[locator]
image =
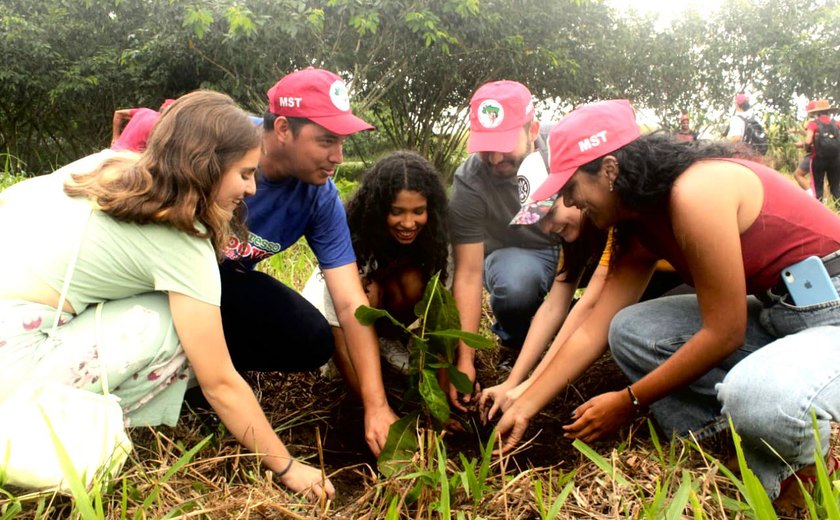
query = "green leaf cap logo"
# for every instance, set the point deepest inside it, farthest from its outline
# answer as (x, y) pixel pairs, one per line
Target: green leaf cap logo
(490, 113)
(339, 96)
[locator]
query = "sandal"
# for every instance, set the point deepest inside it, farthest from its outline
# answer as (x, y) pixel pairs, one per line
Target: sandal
(832, 464)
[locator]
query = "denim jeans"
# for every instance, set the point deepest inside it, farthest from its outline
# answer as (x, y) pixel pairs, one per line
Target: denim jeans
(789, 365)
(517, 280)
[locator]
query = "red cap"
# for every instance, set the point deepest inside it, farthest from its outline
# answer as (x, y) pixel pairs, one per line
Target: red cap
(137, 130)
(166, 103)
(318, 95)
(810, 106)
(590, 132)
(498, 111)
(741, 98)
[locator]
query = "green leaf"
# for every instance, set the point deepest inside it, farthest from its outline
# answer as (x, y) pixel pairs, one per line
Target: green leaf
(680, 499)
(198, 20)
(460, 380)
(471, 339)
(400, 446)
(433, 396)
(368, 315)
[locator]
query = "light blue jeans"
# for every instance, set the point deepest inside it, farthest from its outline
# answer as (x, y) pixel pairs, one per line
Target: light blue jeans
(789, 365)
(517, 280)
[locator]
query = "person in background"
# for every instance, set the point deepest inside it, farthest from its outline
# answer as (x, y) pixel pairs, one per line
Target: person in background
(515, 264)
(802, 173)
(741, 348)
(822, 139)
(148, 231)
(131, 127)
(685, 133)
(737, 122)
(398, 225)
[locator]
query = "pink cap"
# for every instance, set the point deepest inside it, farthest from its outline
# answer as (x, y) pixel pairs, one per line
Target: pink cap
(498, 111)
(317, 95)
(741, 98)
(137, 130)
(166, 103)
(590, 132)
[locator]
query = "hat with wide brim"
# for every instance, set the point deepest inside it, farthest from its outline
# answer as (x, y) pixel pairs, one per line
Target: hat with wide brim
(821, 105)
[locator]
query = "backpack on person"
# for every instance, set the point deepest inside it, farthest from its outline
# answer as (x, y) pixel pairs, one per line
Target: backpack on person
(754, 134)
(826, 141)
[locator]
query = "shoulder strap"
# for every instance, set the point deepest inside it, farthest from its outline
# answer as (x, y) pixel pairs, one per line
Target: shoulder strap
(71, 266)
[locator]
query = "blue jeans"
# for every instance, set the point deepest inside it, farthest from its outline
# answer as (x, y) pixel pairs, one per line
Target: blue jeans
(517, 280)
(789, 364)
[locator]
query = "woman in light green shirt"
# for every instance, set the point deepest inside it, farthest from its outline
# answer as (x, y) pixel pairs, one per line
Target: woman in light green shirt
(149, 231)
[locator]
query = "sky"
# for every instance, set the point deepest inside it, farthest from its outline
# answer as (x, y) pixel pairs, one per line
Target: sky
(666, 10)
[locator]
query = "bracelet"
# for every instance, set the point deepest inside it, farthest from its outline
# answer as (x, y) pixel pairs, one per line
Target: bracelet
(634, 399)
(286, 469)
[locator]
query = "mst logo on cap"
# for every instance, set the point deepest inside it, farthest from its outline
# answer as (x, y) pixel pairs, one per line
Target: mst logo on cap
(340, 96)
(498, 112)
(317, 95)
(587, 133)
(490, 113)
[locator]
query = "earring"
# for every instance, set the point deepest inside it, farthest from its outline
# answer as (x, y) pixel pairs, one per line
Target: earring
(611, 185)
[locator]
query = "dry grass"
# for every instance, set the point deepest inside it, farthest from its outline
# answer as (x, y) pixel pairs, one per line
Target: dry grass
(322, 423)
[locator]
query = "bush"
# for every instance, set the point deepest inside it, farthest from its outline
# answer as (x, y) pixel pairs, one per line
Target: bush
(350, 171)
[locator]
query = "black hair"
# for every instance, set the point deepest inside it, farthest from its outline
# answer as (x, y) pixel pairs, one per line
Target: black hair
(648, 167)
(368, 210)
(295, 123)
(582, 254)
(745, 105)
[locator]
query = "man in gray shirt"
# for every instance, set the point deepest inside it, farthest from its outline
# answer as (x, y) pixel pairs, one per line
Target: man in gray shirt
(515, 263)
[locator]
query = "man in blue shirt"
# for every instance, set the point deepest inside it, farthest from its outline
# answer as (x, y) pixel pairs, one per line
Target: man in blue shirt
(269, 326)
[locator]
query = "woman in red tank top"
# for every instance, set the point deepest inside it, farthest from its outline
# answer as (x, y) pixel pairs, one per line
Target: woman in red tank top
(728, 226)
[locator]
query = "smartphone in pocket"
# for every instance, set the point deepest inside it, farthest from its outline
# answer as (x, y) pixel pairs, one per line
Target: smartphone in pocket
(809, 283)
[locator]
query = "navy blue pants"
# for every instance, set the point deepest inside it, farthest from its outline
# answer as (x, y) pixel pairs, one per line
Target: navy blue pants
(269, 327)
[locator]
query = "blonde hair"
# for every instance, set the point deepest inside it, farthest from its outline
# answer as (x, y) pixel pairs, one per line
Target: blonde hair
(176, 179)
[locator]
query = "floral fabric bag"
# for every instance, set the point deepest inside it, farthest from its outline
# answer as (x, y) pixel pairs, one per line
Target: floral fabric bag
(53, 434)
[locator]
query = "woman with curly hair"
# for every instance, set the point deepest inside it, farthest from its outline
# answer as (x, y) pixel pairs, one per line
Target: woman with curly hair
(744, 348)
(398, 225)
(117, 274)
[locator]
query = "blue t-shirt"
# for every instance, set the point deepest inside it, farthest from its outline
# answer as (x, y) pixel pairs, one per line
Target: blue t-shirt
(281, 212)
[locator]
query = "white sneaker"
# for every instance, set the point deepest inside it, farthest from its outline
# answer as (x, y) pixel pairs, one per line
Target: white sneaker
(329, 371)
(395, 353)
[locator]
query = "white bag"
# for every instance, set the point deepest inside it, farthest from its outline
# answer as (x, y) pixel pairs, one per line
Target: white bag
(51, 434)
(46, 422)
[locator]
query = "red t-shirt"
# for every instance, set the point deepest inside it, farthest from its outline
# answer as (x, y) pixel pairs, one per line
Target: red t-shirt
(812, 126)
(137, 130)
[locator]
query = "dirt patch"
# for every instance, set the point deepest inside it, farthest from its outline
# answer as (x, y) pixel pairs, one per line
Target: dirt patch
(325, 408)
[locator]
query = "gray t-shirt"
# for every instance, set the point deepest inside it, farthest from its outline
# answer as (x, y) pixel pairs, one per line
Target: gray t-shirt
(482, 206)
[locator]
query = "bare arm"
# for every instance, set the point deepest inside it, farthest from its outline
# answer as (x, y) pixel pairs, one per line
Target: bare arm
(576, 316)
(347, 294)
(199, 328)
(809, 139)
(467, 285)
(121, 117)
(586, 343)
(546, 321)
(707, 224)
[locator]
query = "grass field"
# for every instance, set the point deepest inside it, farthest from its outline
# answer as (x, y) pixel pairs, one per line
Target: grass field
(196, 470)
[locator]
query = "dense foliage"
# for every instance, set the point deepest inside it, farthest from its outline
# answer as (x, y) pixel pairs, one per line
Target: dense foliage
(67, 64)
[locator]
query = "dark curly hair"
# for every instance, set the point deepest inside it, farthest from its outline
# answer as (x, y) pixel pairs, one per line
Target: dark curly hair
(649, 166)
(368, 209)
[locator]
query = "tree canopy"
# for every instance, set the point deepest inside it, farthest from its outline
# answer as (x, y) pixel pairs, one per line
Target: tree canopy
(411, 64)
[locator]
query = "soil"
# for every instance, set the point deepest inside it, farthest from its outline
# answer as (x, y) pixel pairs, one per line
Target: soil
(340, 421)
